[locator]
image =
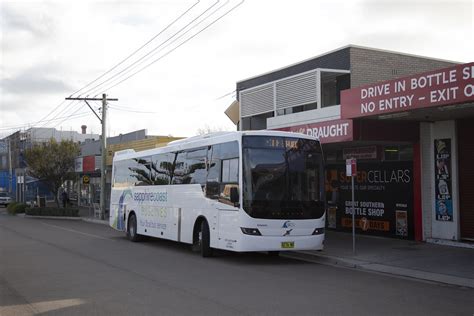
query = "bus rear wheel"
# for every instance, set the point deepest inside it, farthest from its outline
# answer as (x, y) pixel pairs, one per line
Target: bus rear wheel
(132, 229)
(204, 240)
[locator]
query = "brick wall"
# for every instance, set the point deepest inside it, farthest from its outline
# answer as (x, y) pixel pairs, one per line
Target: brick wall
(369, 66)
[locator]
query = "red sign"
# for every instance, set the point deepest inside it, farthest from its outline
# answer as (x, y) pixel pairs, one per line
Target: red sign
(435, 88)
(327, 132)
(88, 164)
(351, 167)
(369, 152)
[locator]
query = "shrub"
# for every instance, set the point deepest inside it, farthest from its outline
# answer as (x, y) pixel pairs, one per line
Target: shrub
(10, 207)
(19, 208)
(52, 211)
(16, 208)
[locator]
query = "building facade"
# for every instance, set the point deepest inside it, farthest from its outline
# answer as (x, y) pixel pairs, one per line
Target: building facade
(335, 97)
(13, 168)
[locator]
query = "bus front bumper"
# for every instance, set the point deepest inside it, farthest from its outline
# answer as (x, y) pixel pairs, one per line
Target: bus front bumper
(280, 243)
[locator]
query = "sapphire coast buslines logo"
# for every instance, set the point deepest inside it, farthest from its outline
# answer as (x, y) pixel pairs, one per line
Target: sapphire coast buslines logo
(288, 224)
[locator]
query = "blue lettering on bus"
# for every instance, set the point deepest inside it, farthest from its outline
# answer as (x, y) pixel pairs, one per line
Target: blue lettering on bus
(142, 197)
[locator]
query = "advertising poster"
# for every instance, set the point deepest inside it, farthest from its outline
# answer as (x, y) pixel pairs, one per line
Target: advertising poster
(383, 198)
(402, 223)
(332, 218)
(443, 198)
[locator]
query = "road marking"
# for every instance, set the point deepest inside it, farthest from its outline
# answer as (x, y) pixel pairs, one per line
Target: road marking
(39, 307)
(78, 232)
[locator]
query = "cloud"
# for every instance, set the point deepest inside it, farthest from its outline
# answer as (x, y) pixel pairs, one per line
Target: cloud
(33, 83)
(41, 25)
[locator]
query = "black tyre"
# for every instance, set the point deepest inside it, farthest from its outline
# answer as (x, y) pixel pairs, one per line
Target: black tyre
(204, 240)
(132, 229)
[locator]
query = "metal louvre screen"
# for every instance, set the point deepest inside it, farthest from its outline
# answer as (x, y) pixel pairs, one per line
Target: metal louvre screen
(257, 100)
(298, 90)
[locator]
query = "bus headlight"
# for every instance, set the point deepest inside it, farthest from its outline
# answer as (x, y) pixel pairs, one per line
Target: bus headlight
(318, 231)
(250, 231)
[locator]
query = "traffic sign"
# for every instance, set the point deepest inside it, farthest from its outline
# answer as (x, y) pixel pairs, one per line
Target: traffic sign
(85, 179)
(351, 167)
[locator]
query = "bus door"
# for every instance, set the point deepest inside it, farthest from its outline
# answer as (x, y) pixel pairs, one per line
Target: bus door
(228, 213)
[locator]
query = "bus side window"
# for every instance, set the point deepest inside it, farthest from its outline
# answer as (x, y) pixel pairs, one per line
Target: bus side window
(196, 167)
(230, 178)
(213, 172)
(162, 168)
(223, 166)
(179, 168)
(141, 171)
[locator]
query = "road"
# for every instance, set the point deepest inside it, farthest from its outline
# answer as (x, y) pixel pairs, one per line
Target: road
(60, 267)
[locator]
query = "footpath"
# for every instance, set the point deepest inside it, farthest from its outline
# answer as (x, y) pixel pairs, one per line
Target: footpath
(425, 261)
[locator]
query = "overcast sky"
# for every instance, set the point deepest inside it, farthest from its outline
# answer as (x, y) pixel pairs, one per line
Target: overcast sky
(50, 49)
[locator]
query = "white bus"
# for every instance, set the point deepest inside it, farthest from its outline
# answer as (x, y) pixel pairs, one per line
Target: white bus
(238, 191)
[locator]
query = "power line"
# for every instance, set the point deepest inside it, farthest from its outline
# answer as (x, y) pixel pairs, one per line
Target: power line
(140, 48)
(27, 125)
(187, 40)
(43, 119)
(225, 95)
(153, 51)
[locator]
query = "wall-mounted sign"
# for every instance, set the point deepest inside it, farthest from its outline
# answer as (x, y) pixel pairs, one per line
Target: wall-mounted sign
(440, 87)
(383, 198)
(88, 164)
(78, 165)
(443, 188)
(327, 132)
(369, 152)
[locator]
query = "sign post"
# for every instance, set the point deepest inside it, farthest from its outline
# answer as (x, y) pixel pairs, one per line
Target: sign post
(351, 169)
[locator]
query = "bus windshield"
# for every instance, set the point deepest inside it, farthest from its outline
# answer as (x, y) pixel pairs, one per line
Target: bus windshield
(282, 178)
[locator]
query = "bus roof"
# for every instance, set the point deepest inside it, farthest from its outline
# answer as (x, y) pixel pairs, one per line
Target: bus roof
(204, 140)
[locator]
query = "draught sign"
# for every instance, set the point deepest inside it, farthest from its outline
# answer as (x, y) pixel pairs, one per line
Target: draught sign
(351, 167)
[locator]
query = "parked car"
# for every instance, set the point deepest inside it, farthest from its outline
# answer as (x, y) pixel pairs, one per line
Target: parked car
(5, 199)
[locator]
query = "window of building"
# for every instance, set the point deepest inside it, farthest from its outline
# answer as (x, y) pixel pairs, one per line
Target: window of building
(332, 83)
(296, 109)
(398, 152)
(256, 122)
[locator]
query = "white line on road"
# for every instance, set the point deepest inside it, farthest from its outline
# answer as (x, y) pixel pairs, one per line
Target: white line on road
(78, 232)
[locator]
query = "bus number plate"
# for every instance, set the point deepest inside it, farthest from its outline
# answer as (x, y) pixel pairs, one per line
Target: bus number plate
(288, 244)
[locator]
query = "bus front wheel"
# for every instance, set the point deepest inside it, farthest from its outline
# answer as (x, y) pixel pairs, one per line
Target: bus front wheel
(132, 229)
(204, 240)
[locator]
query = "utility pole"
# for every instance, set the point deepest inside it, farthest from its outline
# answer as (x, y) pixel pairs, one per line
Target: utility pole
(10, 175)
(103, 171)
(103, 121)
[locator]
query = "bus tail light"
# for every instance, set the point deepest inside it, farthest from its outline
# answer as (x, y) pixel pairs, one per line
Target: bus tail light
(250, 231)
(318, 231)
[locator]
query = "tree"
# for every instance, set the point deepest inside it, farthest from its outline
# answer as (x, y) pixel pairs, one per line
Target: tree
(206, 129)
(52, 163)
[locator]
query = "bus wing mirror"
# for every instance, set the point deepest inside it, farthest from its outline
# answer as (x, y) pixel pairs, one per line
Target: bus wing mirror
(212, 190)
(234, 195)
